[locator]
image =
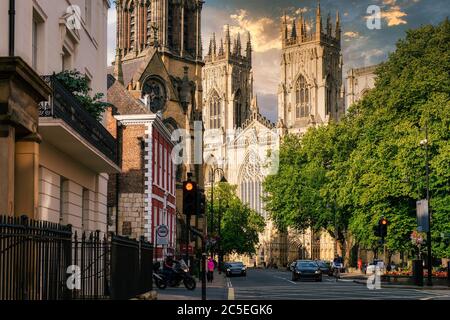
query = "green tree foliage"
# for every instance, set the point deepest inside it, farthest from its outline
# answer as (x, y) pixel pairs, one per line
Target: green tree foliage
(240, 225)
(371, 163)
(78, 85)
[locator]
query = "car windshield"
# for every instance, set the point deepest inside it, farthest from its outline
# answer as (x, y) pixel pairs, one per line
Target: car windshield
(236, 264)
(322, 264)
(307, 265)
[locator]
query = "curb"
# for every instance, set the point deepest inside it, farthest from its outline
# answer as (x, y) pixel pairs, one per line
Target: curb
(385, 285)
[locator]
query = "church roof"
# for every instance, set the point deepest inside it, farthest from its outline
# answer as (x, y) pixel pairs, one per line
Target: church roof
(122, 99)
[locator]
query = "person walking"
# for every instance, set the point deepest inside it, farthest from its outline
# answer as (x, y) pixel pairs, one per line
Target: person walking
(211, 267)
(360, 265)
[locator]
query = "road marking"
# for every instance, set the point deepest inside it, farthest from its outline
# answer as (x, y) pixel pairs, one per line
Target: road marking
(230, 293)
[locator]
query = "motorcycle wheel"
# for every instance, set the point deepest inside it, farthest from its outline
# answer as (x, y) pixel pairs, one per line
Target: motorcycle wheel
(161, 284)
(190, 284)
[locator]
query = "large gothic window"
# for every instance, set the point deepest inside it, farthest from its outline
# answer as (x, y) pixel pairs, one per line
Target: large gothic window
(251, 189)
(214, 112)
(149, 23)
(154, 94)
(302, 98)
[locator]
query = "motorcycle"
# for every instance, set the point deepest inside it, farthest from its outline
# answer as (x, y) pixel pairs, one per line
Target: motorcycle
(158, 278)
(180, 274)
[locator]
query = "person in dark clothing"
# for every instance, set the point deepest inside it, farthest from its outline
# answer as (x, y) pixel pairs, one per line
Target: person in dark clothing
(168, 268)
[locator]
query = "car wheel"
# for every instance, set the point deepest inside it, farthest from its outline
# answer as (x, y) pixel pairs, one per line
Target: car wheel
(294, 277)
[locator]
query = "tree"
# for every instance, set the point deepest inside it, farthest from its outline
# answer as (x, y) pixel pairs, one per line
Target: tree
(78, 85)
(240, 225)
(371, 164)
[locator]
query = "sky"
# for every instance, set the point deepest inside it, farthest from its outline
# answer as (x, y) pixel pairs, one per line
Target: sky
(361, 46)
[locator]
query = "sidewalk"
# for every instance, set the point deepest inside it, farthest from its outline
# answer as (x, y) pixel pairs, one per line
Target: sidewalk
(215, 290)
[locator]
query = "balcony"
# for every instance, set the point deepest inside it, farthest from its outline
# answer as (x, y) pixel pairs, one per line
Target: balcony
(64, 123)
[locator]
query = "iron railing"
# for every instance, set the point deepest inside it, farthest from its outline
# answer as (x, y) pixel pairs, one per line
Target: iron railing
(45, 261)
(64, 105)
(33, 259)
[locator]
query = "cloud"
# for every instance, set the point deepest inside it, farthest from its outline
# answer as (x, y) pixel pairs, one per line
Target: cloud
(394, 16)
(351, 34)
(264, 31)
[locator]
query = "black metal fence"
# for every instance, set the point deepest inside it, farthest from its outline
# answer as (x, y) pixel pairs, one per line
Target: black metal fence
(46, 261)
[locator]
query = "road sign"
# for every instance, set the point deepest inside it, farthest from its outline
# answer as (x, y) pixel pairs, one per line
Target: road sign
(422, 216)
(162, 235)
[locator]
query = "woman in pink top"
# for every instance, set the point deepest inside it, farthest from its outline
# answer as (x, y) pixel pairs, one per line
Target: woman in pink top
(210, 270)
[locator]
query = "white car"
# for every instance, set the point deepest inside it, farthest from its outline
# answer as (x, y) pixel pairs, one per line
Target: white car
(376, 264)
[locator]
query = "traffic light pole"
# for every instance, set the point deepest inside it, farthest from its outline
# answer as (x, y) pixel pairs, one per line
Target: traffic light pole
(188, 226)
(429, 257)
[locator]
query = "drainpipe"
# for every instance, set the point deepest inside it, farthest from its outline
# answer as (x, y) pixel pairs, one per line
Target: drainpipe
(12, 26)
(119, 133)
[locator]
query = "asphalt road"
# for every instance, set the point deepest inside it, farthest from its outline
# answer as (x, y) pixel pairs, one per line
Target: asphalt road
(277, 285)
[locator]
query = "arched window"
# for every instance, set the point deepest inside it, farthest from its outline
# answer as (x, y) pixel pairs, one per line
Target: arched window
(238, 116)
(214, 112)
(329, 96)
(302, 98)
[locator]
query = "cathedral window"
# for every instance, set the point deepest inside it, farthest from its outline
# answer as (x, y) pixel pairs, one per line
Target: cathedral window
(214, 112)
(302, 98)
(329, 98)
(154, 95)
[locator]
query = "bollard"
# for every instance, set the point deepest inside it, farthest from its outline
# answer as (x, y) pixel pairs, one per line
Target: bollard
(418, 272)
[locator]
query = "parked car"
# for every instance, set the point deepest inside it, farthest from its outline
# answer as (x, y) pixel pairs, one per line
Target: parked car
(324, 266)
(371, 267)
(235, 268)
(306, 269)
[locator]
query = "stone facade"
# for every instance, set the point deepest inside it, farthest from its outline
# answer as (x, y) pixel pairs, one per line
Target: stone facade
(359, 82)
(311, 90)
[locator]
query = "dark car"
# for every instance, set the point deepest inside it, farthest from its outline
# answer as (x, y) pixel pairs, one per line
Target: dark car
(307, 269)
(235, 268)
(324, 266)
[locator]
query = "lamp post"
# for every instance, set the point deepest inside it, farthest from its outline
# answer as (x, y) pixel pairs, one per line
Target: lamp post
(213, 176)
(427, 168)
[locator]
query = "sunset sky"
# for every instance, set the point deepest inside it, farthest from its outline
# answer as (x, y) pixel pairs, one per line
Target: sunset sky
(361, 46)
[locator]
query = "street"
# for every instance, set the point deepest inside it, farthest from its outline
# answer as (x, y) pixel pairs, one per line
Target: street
(277, 285)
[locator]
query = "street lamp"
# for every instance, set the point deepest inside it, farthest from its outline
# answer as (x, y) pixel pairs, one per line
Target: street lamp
(425, 143)
(213, 176)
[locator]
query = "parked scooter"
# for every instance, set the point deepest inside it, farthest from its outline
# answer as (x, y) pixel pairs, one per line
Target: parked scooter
(158, 277)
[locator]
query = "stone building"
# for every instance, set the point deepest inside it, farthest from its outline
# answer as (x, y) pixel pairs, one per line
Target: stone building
(237, 137)
(55, 157)
(359, 82)
(158, 63)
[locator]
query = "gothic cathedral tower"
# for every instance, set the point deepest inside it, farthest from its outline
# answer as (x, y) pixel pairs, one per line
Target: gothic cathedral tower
(227, 83)
(311, 91)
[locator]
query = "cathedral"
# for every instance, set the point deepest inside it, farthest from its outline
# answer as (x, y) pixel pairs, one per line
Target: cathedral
(243, 143)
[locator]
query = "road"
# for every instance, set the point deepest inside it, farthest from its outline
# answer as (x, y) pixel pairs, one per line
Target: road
(277, 285)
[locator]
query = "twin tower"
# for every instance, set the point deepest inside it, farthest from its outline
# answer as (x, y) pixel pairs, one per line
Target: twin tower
(310, 91)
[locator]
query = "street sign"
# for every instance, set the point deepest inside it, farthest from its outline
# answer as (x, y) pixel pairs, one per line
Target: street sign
(422, 216)
(162, 235)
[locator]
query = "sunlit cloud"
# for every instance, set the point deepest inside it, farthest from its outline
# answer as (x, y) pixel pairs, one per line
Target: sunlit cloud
(394, 16)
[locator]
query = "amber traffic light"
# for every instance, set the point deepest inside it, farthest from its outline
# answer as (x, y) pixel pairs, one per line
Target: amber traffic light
(189, 198)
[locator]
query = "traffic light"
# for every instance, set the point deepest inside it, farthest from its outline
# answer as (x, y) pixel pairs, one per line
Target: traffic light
(189, 198)
(376, 231)
(201, 202)
(383, 224)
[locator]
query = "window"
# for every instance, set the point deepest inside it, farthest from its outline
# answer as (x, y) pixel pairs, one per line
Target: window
(88, 12)
(149, 23)
(36, 39)
(132, 11)
(66, 60)
(302, 98)
(329, 98)
(214, 112)
(63, 194)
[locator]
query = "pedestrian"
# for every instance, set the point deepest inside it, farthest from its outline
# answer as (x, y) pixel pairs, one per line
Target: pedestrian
(210, 270)
(360, 264)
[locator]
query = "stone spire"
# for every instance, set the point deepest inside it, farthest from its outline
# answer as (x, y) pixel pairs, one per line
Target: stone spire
(249, 47)
(118, 71)
(338, 26)
(238, 44)
(214, 45)
(221, 49)
(318, 21)
(329, 28)
(285, 27)
(227, 40)
(294, 30)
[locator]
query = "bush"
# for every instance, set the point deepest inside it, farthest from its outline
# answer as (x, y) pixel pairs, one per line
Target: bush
(77, 83)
